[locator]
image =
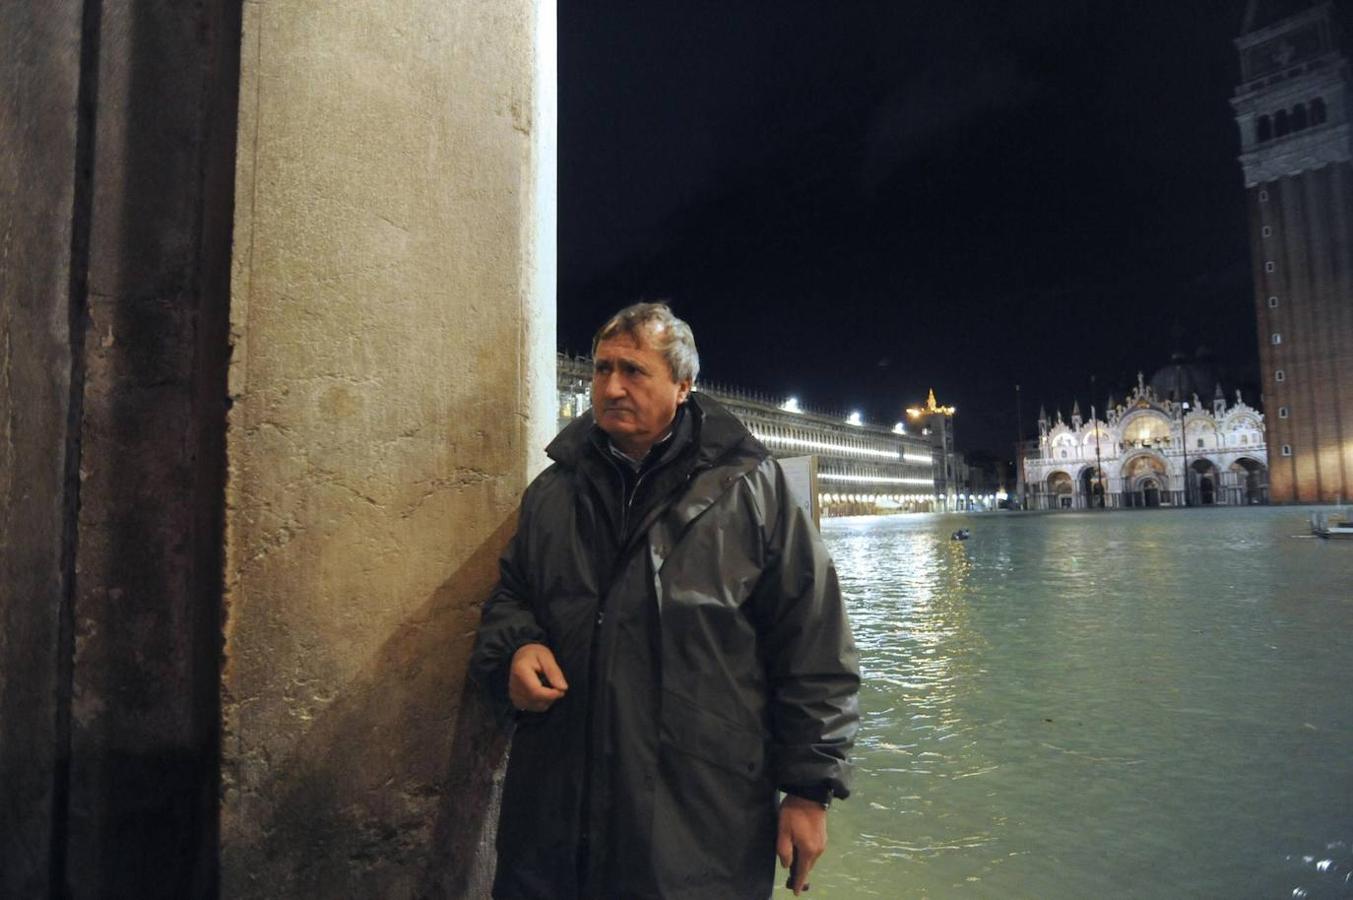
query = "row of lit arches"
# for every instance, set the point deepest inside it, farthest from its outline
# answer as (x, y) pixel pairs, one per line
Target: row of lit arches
(807, 439)
(1144, 480)
(1284, 121)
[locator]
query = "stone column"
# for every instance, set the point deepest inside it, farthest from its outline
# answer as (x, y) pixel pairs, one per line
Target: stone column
(392, 381)
(116, 172)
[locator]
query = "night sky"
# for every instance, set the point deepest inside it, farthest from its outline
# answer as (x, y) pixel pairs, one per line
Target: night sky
(856, 202)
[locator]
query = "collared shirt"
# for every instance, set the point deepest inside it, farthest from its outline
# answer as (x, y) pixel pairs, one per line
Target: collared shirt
(636, 473)
(654, 452)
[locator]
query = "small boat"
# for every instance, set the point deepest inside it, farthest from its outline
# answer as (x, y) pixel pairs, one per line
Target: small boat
(1338, 528)
(960, 535)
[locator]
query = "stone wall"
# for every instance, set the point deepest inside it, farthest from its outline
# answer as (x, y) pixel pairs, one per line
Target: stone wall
(39, 85)
(392, 385)
(392, 324)
(114, 272)
(1301, 234)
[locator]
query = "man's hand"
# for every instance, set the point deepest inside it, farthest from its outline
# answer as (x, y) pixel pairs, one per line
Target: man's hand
(802, 838)
(534, 682)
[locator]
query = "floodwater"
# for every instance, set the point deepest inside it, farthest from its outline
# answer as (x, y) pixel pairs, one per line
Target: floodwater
(1127, 704)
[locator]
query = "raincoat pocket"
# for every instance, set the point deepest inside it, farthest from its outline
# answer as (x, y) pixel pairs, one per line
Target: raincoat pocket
(709, 736)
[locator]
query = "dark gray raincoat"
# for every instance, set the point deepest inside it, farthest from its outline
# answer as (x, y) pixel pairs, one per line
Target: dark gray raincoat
(709, 663)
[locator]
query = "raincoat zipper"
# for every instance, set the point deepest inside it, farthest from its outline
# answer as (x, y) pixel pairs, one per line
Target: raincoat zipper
(584, 844)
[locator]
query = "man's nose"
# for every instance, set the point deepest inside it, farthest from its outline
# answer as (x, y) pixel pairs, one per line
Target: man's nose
(612, 386)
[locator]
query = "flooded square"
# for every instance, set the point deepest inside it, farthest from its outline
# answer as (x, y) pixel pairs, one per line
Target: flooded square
(1133, 704)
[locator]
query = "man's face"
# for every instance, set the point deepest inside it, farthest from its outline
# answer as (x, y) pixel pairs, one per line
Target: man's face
(634, 396)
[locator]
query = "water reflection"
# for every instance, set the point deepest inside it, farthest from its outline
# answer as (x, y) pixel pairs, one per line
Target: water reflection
(1325, 873)
(1073, 705)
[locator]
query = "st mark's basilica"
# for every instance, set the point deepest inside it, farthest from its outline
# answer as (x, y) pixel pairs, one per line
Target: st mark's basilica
(1162, 446)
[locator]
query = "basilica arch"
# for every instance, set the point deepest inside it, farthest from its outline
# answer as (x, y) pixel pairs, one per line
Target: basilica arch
(1245, 482)
(1094, 486)
(1146, 479)
(1204, 482)
(1146, 427)
(1061, 491)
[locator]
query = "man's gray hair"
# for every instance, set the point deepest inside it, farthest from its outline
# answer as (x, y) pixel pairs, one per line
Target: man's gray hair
(654, 325)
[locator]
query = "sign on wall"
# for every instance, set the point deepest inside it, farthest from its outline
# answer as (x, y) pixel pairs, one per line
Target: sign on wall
(801, 473)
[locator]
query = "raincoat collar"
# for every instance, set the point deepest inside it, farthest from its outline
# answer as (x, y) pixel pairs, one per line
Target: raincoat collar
(717, 430)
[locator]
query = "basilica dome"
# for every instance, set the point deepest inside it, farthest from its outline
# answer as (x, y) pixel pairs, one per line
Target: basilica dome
(1183, 377)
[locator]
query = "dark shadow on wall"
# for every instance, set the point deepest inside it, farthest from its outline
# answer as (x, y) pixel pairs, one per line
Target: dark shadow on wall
(142, 811)
(392, 791)
(467, 817)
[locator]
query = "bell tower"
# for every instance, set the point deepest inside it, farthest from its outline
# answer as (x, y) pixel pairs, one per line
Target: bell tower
(1294, 108)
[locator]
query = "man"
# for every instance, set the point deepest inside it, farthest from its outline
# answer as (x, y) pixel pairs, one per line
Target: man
(669, 632)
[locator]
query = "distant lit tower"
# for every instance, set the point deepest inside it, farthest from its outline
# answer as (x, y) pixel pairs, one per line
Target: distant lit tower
(1294, 106)
(937, 424)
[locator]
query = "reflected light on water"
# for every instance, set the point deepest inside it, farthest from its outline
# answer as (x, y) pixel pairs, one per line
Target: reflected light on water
(1170, 685)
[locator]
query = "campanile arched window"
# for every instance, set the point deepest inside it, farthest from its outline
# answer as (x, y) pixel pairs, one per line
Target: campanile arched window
(1263, 129)
(1281, 124)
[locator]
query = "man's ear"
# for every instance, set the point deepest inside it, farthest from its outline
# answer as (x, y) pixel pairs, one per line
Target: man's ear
(683, 391)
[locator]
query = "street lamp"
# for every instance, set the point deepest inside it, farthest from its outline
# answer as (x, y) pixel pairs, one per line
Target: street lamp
(1019, 453)
(1183, 427)
(1099, 466)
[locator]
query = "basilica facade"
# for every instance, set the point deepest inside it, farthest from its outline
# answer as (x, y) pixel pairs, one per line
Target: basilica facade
(1149, 451)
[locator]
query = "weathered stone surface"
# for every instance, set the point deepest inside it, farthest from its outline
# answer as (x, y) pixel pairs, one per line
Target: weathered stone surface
(392, 379)
(147, 610)
(114, 258)
(39, 81)
(394, 371)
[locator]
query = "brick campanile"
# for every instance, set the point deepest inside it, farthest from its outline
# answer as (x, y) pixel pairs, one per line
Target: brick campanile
(1294, 108)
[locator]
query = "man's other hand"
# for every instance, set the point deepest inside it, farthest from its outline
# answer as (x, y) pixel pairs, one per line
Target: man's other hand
(535, 681)
(802, 838)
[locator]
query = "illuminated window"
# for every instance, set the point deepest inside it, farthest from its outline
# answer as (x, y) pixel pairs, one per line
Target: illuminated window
(1275, 338)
